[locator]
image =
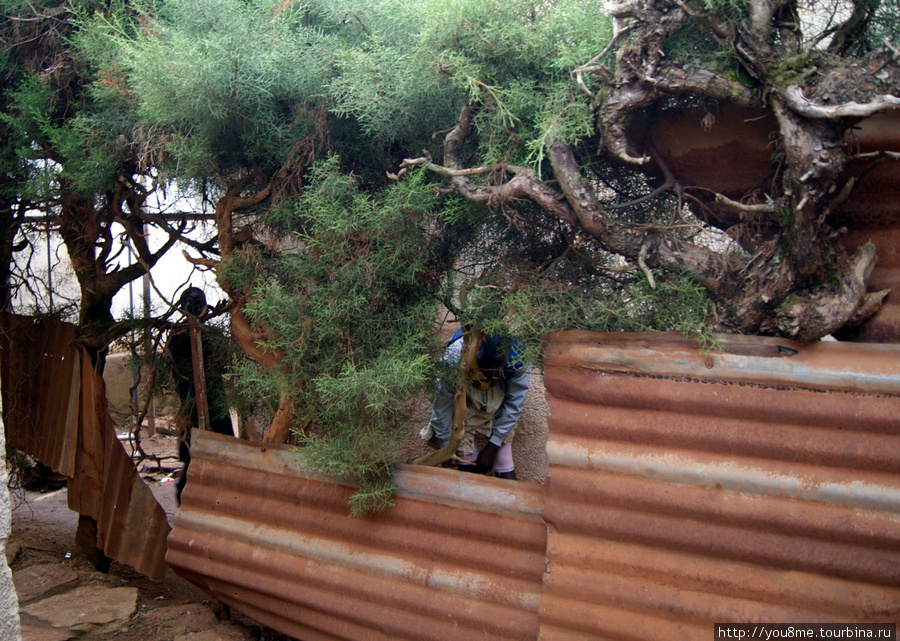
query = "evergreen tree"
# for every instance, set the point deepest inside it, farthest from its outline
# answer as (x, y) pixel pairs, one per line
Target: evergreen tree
(369, 160)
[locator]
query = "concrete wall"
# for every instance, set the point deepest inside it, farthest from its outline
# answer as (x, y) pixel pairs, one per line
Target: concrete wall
(9, 604)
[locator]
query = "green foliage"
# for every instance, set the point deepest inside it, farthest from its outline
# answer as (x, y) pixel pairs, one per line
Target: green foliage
(884, 26)
(566, 117)
(226, 79)
(387, 89)
(92, 148)
(516, 38)
(30, 125)
(512, 59)
(28, 109)
(87, 149)
(531, 309)
(352, 309)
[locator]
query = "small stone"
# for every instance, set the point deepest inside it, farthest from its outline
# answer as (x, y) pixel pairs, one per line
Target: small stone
(37, 580)
(86, 607)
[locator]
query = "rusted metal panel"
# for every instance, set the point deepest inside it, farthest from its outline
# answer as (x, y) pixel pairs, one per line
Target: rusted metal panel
(458, 556)
(41, 384)
(132, 526)
(85, 488)
(55, 409)
(743, 359)
(689, 488)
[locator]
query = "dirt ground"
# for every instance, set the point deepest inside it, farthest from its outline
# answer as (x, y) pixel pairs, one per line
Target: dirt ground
(43, 539)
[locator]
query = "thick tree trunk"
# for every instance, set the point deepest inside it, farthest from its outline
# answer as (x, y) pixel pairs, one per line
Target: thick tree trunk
(87, 234)
(280, 429)
(9, 227)
(250, 339)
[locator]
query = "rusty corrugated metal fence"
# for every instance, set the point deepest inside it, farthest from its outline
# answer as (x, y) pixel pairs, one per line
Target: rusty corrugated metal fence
(750, 485)
(458, 557)
(41, 384)
(55, 409)
(756, 484)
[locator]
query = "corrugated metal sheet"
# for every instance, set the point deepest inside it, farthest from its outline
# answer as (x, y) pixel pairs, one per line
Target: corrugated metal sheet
(458, 557)
(756, 484)
(689, 488)
(38, 361)
(131, 525)
(55, 409)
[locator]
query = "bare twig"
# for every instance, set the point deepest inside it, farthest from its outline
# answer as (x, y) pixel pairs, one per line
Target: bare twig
(887, 43)
(805, 107)
(592, 66)
(447, 171)
(642, 256)
(762, 208)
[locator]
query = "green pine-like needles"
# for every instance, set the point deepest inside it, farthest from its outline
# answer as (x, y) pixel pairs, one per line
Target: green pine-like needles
(351, 307)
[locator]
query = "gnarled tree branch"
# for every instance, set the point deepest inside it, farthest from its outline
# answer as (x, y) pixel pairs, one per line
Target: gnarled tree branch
(795, 99)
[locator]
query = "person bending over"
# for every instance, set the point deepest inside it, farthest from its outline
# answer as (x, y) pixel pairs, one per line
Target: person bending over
(496, 388)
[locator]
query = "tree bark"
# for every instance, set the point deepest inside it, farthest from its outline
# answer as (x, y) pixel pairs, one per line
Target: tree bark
(87, 234)
(250, 339)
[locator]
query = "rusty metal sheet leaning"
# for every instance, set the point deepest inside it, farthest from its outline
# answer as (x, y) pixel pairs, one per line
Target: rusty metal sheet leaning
(55, 409)
(40, 372)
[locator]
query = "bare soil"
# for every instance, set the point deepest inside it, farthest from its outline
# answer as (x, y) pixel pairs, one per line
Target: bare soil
(43, 534)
